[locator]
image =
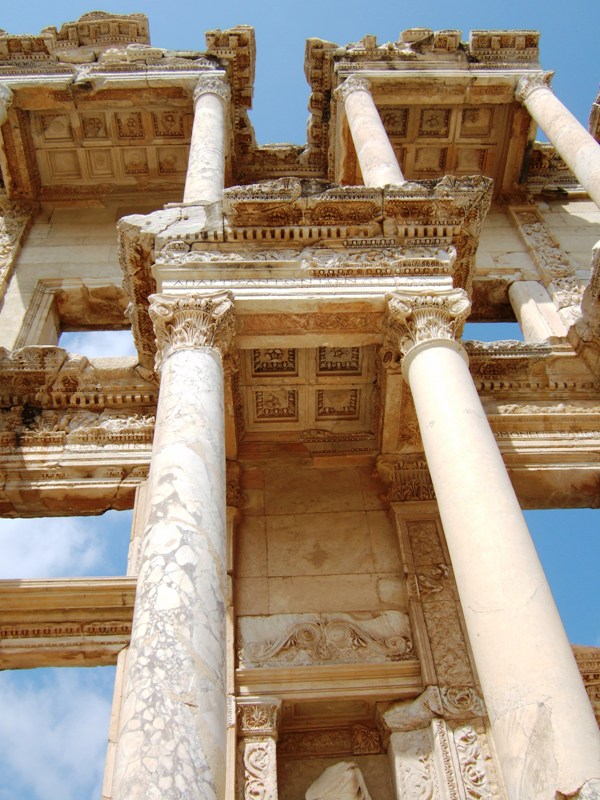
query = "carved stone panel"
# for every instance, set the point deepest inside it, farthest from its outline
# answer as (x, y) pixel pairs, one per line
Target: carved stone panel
(301, 639)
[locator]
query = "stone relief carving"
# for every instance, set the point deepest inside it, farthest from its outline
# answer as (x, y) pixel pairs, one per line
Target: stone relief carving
(342, 781)
(420, 316)
(353, 740)
(259, 769)
(546, 252)
(15, 220)
(531, 83)
(407, 480)
(355, 83)
(472, 763)
(297, 639)
(258, 716)
(192, 321)
(212, 84)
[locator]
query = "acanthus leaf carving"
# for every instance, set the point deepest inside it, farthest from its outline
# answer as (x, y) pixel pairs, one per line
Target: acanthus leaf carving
(418, 316)
(258, 715)
(190, 321)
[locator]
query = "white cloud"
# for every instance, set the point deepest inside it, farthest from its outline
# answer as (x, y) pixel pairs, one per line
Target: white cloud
(99, 344)
(53, 728)
(53, 547)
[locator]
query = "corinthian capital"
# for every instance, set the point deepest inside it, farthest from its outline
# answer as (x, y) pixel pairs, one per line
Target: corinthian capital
(531, 83)
(422, 316)
(190, 321)
(355, 83)
(6, 98)
(258, 716)
(212, 84)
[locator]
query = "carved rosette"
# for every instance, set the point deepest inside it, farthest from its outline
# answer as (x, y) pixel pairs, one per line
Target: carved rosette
(355, 83)
(531, 83)
(191, 321)
(212, 84)
(423, 316)
(6, 98)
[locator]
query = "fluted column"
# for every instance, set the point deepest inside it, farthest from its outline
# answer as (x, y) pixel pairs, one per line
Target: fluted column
(258, 721)
(205, 177)
(172, 736)
(544, 728)
(378, 162)
(6, 98)
(578, 149)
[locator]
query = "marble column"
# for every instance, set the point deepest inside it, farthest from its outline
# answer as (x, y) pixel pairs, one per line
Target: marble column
(6, 98)
(378, 162)
(172, 732)
(537, 314)
(578, 148)
(543, 725)
(258, 721)
(205, 177)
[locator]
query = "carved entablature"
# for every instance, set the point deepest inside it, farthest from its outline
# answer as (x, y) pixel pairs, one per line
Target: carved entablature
(49, 376)
(548, 172)
(505, 48)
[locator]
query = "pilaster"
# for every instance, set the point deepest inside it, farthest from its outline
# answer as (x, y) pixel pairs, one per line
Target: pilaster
(258, 722)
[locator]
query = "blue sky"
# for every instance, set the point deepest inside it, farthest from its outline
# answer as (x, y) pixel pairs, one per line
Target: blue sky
(53, 722)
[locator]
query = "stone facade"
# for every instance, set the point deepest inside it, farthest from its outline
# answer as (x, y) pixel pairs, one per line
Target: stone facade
(331, 588)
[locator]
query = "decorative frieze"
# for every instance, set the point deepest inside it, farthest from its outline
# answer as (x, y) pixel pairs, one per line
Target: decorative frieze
(301, 639)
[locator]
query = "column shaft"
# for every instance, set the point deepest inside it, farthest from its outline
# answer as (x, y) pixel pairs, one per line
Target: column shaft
(172, 735)
(537, 314)
(577, 147)
(543, 724)
(205, 177)
(378, 162)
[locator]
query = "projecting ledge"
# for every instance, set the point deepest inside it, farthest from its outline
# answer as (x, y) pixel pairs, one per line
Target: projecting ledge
(64, 622)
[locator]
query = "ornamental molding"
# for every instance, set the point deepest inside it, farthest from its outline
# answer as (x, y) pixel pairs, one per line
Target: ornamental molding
(531, 83)
(191, 321)
(212, 84)
(355, 83)
(258, 769)
(418, 316)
